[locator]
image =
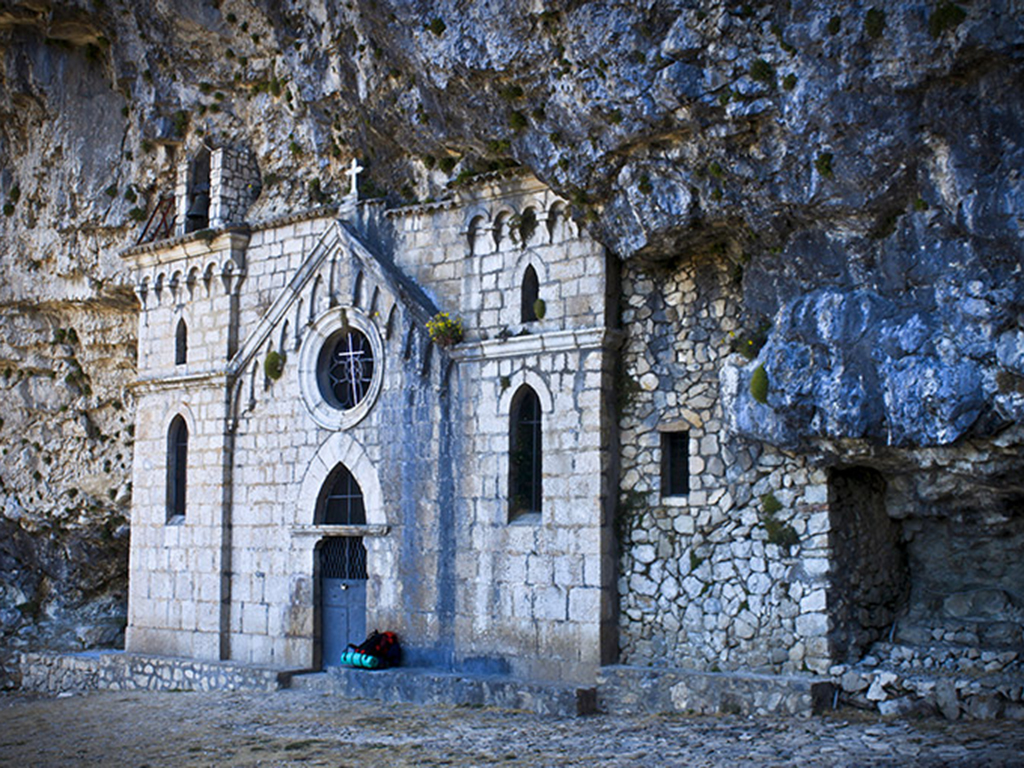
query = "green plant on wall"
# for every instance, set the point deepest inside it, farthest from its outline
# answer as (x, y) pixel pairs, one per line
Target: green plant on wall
(750, 343)
(273, 366)
(631, 505)
(445, 330)
(759, 384)
(540, 309)
(779, 533)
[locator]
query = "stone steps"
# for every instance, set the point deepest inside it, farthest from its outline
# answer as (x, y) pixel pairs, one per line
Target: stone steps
(431, 686)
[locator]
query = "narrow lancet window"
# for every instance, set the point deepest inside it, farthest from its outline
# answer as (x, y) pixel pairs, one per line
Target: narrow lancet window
(181, 343)
(177, 466)
(529, 294)
(525, 454)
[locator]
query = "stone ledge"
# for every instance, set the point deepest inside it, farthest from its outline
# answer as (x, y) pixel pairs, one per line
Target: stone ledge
(430, 686)
(648, 690)
(54, 672)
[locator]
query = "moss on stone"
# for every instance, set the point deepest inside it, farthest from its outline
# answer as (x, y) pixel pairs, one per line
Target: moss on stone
(273, 366)
(759, 384)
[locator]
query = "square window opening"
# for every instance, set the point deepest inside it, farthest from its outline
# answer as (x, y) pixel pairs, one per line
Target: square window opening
(675, 463)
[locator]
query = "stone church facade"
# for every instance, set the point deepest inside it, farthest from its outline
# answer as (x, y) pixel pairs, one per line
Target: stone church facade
(558, 492)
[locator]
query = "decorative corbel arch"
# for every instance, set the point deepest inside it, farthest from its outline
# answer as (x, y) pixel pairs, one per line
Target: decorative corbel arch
(499, 226)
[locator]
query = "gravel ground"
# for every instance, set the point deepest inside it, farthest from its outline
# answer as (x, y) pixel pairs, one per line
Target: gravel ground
(289, 728)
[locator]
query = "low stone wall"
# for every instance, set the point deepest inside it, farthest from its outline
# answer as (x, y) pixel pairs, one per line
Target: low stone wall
(953, 681)
(52, 672)
(640, 690)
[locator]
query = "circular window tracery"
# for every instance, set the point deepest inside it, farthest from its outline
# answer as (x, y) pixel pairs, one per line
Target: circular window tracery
(345, 367)
(340, 367)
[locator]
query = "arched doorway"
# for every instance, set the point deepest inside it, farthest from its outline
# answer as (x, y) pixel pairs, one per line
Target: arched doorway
(341, 561)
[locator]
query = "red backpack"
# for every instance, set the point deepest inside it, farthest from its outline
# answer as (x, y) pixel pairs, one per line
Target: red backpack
(383, 646)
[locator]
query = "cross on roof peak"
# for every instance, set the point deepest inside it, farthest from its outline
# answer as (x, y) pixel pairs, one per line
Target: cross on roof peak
(353, 172)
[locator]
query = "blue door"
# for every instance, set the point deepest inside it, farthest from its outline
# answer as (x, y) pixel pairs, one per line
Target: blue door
(342, 596)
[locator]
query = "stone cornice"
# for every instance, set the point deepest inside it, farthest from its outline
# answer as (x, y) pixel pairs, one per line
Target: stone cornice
(328, 531)
(156, 384)
(532, 344)
(409, 210)
(321, 212)
(228, 240)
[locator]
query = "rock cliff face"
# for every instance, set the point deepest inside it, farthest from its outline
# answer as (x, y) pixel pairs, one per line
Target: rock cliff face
(859, 166)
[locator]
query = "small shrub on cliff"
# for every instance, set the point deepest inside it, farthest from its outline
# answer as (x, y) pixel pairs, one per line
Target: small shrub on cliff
(834, 25)
(437, 26)
(945, 16)
(763, 72)
(137, 214)
(781, 534)
(517, 121)
(874, 23)
(180, 120)
(511, 92)
(8, 209)
(749, 343)
(789, 82)
(823, 164)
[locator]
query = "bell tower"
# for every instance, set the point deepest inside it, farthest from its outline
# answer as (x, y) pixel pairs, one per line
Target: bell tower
(214, 189)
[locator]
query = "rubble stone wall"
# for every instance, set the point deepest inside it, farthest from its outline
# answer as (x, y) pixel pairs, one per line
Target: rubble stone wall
(735, 574)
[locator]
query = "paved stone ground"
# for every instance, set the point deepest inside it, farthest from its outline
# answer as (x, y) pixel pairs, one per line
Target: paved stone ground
(313, 729)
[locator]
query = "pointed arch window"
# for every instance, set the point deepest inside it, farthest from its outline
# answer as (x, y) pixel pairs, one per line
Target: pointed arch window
(529, 294)
(341, 500)
(177, 468)
(525, 466)
(181, 343)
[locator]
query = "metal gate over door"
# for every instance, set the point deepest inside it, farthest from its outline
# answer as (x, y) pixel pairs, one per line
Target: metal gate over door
(342, 596)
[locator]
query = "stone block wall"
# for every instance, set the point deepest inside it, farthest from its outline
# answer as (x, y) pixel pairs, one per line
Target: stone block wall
(282, 456)
(234, 185)
(734, 573)
(471, 259)
(176, 588)
(447, 569)
(534, 594)
(537, 589)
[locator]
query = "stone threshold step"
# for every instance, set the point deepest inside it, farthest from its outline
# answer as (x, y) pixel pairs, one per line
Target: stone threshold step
(432, 686)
